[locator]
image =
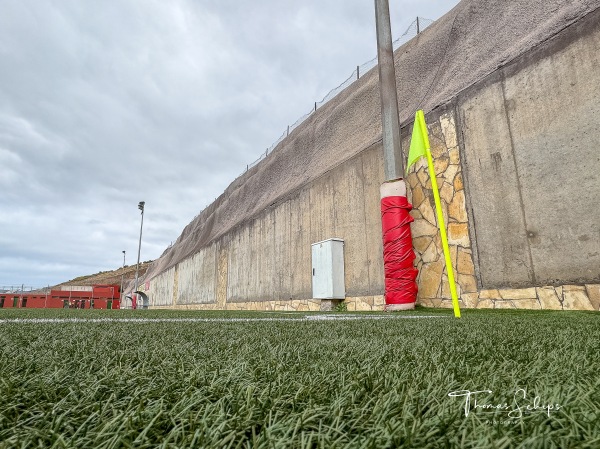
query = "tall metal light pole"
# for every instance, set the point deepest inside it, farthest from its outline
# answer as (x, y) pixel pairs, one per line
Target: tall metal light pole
(400, 275)
(122, 277)
(392, 151)
(137, 268)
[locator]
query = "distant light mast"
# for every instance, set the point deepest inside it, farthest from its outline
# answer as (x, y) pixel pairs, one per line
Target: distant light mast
(141, 205)
(122, 277)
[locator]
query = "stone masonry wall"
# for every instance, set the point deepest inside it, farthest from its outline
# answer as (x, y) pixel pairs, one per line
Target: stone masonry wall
(433, 279)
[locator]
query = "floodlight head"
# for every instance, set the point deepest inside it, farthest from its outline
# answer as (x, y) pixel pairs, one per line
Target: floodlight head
(141, 205)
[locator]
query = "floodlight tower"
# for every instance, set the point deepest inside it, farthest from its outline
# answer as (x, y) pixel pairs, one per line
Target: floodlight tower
(122, 276)
(141, 205)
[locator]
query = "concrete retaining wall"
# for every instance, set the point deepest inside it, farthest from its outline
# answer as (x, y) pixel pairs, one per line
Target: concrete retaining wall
(517, 165)
(531, 139)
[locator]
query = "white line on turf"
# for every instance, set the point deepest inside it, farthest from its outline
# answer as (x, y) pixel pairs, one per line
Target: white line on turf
(210, 320)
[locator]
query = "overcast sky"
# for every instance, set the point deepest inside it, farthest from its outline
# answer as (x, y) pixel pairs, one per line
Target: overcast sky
(107, 103)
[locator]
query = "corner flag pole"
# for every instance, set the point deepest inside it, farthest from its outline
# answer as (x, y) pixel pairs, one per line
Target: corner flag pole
(420, 147)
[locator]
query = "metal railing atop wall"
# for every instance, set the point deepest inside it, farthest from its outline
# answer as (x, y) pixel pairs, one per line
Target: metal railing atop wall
(418, 25)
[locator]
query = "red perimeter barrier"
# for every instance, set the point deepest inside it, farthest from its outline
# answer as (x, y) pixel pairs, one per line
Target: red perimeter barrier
(398, 254)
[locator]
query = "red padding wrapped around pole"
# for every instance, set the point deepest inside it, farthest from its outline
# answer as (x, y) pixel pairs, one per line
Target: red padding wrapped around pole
(398, 254)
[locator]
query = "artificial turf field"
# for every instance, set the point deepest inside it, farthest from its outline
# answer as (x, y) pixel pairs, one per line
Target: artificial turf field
(249, 379)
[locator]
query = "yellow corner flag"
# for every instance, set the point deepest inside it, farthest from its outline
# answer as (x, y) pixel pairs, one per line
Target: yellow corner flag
(419, 142)
(419, 146)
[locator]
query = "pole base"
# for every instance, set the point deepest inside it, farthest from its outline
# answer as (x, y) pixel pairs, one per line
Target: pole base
(399, 307)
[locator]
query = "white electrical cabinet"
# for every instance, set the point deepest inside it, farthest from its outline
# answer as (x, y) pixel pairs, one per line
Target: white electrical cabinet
(328, 269)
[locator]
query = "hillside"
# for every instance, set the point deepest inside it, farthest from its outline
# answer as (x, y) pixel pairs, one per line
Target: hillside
(110, 277)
